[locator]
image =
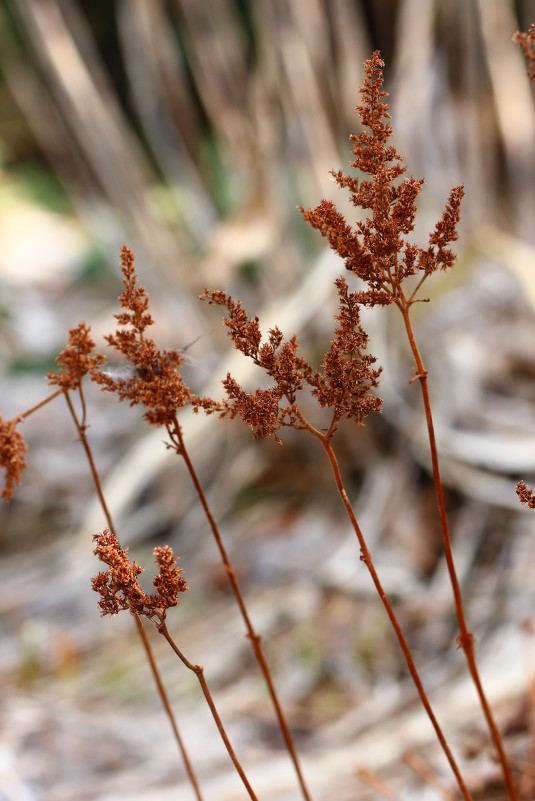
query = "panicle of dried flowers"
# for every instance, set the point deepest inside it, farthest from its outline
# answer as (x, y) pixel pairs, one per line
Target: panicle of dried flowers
(378, 252)
(344, 385)
(157, 384)
(119, 588)
(76, 360)
(348, 376)
(13, 450)
(527, 43)
(526, 495)
(376, 249)
(155, 381)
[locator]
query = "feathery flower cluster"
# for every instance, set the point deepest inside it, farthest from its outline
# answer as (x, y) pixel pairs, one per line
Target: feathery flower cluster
(76, 360)
(527, 43)
(155, 381)
(376, 249)
(13, 450)
(344, 385)
(526, 495)
(119, 589)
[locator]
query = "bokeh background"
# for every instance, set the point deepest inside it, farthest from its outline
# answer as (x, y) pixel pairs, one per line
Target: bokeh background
(191, 131)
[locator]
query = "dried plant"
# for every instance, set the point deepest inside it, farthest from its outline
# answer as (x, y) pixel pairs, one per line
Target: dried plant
(377, 251)
(119, 590)
(344, 386)
(525, 495)
(13, 452)
(76, 361)
(156, 383)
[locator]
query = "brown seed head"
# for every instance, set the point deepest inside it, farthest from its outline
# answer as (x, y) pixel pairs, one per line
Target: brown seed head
(525, 495)
(376, 249)
(76, 360)
(118, 586)
(154, 380)
(13, 450)
(344, 385)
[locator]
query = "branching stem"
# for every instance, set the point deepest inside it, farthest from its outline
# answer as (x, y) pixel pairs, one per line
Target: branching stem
(39, 405)
(81, 428)
(169, 712)
(199, 672)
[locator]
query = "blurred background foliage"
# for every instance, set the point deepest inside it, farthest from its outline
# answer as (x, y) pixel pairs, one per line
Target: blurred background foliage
(191, 131)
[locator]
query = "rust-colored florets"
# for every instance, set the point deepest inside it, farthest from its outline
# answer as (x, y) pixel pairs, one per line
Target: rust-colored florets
(76, 360)
(348, 376)
(13, 450)
(344, 385)
(155, 380)
(526, 495)
(376, 249)
(527, 43)
(119, 589)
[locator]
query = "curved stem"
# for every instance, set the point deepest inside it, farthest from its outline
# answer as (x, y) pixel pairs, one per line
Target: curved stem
(253, 635)
(169, 712)
(366, 557)
(465, 639)
(199, 672)
(81, 428)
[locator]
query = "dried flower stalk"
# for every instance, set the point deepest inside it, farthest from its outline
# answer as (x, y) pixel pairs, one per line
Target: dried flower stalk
(344, 385)
(119, 590)
(155, 382)
(377, 251)
(75, 362)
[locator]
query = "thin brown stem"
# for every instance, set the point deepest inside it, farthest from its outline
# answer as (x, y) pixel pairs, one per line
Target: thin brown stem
(39, 405)
(81, 428)
(253, 636)
(412, 298)
(167, 707)
(465, 639)
(199, 672)
(83, 405)
(366, 557)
